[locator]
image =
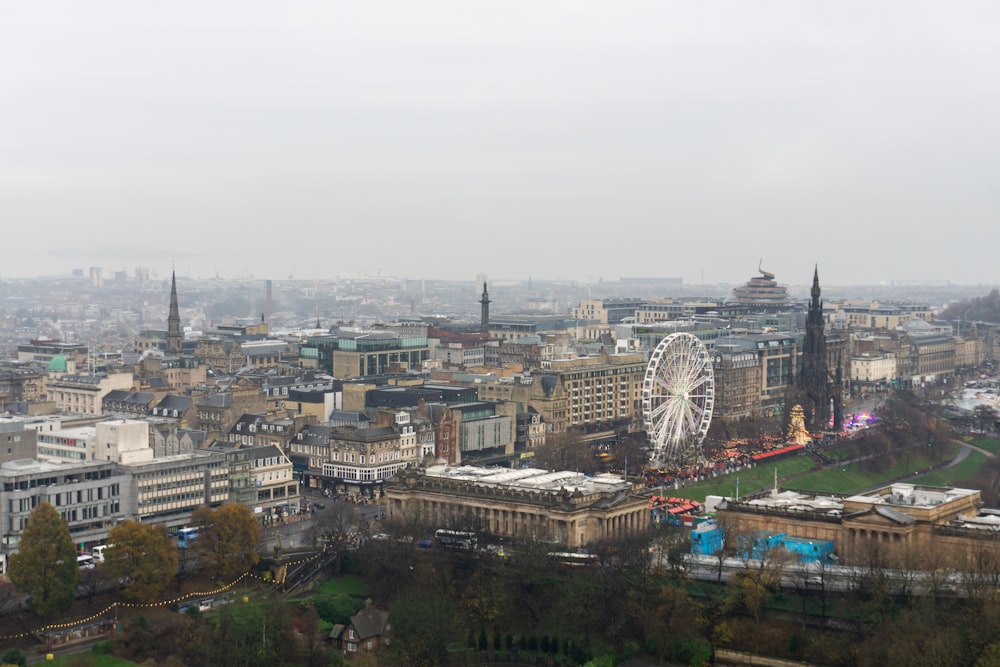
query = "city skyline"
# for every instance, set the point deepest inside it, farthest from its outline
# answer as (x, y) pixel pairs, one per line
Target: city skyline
(582, 142)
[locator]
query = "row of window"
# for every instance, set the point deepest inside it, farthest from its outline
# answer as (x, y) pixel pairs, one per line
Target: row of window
(272, 475)
(62, 453)
(362, 474)
(188, 498)
(63, 442)
(90, 512)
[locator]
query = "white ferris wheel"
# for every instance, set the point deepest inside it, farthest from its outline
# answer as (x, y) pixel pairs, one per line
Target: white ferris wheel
(677, 399)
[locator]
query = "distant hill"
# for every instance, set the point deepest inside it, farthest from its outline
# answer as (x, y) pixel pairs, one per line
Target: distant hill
(980, 309)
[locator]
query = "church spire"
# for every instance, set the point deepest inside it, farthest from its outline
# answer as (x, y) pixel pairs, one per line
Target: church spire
(173, 319)
(815, 288)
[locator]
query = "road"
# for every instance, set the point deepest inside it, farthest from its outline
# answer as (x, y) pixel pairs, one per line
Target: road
(296, 533)
(291, 536)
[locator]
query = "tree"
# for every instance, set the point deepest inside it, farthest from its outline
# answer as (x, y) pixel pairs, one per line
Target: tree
(91, 581)
(45, 565)
(335, 528)
(143, 556)
(421, 614)
(566, 451)
(484, 597)
(227, 539)
(746, 591)
(985, 417)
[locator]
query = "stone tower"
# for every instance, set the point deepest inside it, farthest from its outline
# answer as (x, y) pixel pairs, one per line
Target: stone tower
(484, 302)
(824, 396)
(174, 334)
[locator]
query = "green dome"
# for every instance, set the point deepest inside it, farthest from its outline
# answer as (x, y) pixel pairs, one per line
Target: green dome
(58, 363)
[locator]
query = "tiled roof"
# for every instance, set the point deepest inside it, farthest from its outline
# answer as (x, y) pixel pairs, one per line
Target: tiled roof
(370, 622)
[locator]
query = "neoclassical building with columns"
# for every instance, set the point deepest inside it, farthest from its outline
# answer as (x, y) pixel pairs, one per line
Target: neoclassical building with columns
(563, 507)
(899, 524)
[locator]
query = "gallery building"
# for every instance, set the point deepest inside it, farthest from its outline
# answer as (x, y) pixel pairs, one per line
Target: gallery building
(563, 507)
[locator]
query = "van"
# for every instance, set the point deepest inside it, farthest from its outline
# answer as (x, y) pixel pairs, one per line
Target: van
(85, 562)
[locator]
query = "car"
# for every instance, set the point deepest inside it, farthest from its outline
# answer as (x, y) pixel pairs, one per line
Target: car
(319, 505)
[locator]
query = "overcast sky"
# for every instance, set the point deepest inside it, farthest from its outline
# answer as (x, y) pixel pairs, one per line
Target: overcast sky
(572, 140)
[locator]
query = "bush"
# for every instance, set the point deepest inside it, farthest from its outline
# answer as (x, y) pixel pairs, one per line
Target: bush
(337, 608)
(13, 656)
(691, 650)
(630, 650)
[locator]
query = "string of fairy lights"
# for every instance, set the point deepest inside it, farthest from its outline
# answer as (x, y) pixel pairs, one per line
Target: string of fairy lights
(163, 603)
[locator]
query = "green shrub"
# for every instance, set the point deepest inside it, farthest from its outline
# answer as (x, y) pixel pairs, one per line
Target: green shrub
(13, 656)
(337, 608)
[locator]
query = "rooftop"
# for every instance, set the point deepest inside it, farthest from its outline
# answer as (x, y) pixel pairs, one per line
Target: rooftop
(902, 494)
(797, 502)
(531, 479)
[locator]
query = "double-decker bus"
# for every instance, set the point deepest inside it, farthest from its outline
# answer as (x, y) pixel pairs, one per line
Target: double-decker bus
(569, 559)
(455, 539)
(185, 536)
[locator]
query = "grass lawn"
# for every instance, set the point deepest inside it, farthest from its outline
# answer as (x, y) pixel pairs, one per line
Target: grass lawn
(839, 480)
(348, 585)
(750, 479)
(854, 477)
(90, 659)
(989, 444)
(802, 473)
(951, 476)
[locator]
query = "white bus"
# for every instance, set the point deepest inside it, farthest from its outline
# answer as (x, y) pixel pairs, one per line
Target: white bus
(456, 539)
(571, 559)
(99, 552)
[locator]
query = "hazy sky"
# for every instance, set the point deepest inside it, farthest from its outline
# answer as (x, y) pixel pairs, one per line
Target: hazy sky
(573, 140)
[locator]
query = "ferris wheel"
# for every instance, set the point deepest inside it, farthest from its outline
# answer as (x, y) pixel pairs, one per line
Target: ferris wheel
(677, 399)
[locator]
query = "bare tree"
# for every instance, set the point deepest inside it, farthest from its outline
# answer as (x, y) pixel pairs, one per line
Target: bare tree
(336, 528)
(566, 451)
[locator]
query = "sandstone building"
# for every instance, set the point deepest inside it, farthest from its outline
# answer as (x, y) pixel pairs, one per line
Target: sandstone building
(563, 507)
